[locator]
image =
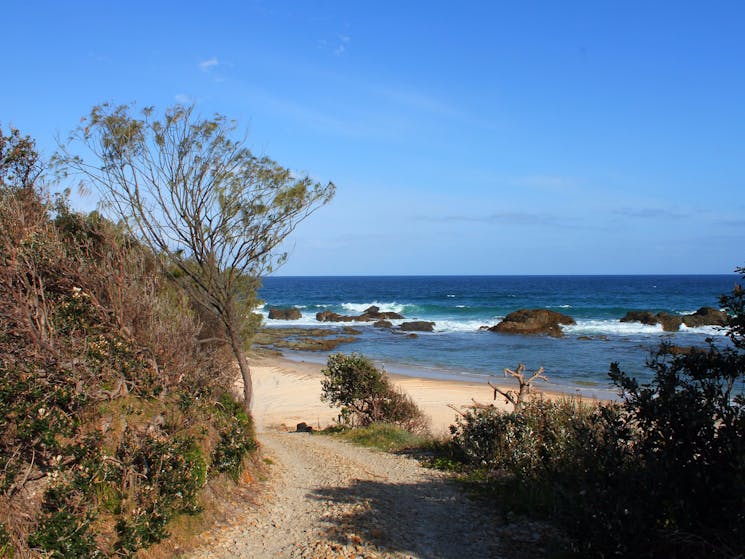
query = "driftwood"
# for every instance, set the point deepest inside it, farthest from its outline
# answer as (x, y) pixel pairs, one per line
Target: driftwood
(517, 399)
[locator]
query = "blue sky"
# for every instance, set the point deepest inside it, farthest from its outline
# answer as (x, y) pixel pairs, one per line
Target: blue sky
(464, 138)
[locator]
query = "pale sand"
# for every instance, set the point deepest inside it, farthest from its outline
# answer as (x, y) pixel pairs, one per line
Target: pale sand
(288, 392)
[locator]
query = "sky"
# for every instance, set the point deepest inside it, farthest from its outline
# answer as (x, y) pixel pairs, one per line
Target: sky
(599, 137)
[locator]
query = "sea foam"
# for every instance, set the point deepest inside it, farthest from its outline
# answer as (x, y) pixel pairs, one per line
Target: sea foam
(359, 308)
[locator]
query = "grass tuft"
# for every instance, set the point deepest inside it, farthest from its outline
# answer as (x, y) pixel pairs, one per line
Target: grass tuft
(383, 436)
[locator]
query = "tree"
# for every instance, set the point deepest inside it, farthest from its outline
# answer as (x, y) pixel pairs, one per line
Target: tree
(214, 211)
(19, 161)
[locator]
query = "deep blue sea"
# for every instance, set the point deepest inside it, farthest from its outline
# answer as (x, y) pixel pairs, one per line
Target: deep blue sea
(459, 305)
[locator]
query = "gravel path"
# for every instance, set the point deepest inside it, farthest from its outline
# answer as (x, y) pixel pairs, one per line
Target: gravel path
(330, 499)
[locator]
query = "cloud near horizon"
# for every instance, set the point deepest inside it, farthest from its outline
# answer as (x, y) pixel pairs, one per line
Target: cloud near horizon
(651, 213)
(511, 218)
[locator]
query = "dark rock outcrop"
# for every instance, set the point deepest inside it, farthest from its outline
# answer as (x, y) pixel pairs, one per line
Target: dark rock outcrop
(533, 321)
(383, 324)
(276, 313)
(705, 316)
(371, 314)
(418, 326)
(645, 317)
(670, 322)
(330, 316)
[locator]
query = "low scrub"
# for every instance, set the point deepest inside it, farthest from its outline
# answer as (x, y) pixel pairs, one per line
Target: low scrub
(543, 437)
(366, 394)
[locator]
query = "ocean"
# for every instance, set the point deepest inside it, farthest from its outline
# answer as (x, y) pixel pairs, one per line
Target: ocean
(460, 305)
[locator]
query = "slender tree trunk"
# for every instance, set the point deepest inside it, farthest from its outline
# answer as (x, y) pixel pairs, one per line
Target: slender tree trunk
(240, 355)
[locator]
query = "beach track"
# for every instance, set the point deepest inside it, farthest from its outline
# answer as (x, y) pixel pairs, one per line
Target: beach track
(326, 498)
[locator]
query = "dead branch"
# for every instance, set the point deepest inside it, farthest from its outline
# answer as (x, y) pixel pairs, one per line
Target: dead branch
(479, 406)
(456, 410)
(517, 399)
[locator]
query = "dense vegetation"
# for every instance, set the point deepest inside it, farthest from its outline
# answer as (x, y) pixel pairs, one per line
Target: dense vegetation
(115, 408)
(660, 474)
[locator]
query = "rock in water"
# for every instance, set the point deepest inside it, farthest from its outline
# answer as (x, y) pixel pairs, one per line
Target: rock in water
(706, 316)
(418, 326)
(533, 321)
(645, 317)
(276, 313)
(670, 322)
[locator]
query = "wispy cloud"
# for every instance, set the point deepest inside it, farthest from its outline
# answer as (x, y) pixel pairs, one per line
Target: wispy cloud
(552, 183)
(341, 46)
(510, 218)
(651, 213)
(209, 64)
(417, 100)
(183, 99)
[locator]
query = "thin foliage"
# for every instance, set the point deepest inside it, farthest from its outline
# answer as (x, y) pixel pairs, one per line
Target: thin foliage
(213, 210)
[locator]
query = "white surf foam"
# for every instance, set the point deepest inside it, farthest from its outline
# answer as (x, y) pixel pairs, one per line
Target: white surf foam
(359, 308)
(612, 328)
(705, 330)
(445, 326)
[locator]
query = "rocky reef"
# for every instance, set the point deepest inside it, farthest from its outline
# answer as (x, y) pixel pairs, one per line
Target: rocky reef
(705, 316)
(292, 313)
(371, 314)
(533, 322)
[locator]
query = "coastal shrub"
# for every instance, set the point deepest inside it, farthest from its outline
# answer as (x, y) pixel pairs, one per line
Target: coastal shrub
(366, 395)
(236, 437)
(64, 527)
(534, 442)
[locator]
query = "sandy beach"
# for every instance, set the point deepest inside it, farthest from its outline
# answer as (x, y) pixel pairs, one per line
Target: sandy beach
(287, 392)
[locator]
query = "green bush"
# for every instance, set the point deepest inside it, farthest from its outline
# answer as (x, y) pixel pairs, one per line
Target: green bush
(536, 442)
(64, 527)
(236, 437)
(366, 395)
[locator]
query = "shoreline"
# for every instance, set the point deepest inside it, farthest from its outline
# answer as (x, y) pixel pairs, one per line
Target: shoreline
(287, 392)
(591, 391)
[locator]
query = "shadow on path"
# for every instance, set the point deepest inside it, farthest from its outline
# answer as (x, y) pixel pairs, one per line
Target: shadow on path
(431, 519)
